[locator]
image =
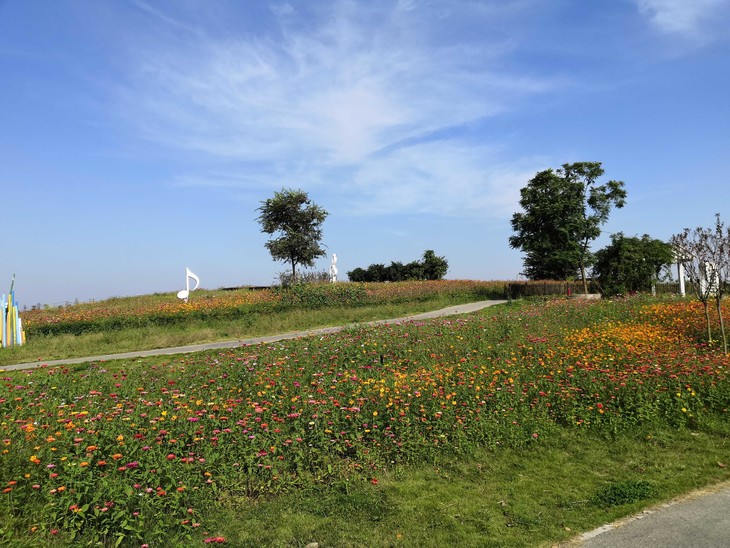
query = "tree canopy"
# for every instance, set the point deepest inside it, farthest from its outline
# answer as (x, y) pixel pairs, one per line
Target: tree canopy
(431, 267)
(563, 211)
(298, 221)
(630, 264)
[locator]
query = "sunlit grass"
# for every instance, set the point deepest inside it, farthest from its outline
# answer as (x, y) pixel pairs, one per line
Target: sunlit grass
(524, 498)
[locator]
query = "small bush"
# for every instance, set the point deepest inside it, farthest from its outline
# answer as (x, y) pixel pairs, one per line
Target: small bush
(286, 279)
(323, 295)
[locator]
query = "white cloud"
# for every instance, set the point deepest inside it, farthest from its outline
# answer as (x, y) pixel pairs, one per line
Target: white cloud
(685, 17)
(367, 93)
(450, 177)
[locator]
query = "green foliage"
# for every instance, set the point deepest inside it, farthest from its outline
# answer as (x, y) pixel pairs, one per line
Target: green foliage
(434, 268)
(285, 279)
(533, 497)
(623, 492)
(313, 296)
(563, 213)
(630, 264)
(292, 214)
(430, 267)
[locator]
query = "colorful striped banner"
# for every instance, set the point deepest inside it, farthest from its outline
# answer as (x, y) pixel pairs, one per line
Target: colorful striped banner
(11, 325)
(3, 307)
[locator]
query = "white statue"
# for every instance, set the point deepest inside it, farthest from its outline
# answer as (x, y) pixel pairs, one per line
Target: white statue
(333, 268)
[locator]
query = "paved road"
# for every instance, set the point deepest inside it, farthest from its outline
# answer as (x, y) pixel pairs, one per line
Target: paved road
(452, 310)
(700, 519)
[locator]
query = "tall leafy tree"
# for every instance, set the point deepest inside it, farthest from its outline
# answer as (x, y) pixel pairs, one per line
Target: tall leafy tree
(298, 223)
(563, 211)
(630, 264)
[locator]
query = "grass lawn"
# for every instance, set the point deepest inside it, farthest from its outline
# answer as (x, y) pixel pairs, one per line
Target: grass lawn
(533, 497)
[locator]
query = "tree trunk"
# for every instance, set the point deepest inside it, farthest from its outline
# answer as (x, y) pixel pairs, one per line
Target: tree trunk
(293, 272)
(722, 323)
(707, 318)
(583, 276)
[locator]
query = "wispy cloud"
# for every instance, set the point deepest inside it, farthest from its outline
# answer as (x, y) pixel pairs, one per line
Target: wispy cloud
(370, 95)
(683, 17)
(166, 19)
(452, 177)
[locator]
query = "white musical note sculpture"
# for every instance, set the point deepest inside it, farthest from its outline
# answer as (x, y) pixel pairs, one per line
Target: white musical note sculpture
(185, 293)
(333, 268)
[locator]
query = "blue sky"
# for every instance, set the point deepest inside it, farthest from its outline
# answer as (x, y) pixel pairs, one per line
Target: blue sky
(138, 137)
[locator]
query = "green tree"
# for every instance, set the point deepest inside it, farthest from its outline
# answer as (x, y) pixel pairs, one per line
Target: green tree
(434, 268)
(377, 272)
(358, 275)
(430, 268)
(413, 271)
(395, 272)
(298, 221)
(630, 264)
(562, 214)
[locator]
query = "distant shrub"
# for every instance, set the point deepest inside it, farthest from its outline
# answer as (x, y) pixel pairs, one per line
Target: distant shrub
(543, 288)
(323, 295)
(285, 279)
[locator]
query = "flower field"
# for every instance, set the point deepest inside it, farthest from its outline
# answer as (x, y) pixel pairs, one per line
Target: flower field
(166, 309)
(135, 453)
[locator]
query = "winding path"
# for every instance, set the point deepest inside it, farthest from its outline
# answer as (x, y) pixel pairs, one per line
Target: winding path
(451, 310)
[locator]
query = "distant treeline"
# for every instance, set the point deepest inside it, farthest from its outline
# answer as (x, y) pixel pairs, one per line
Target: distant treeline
(430, 267)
